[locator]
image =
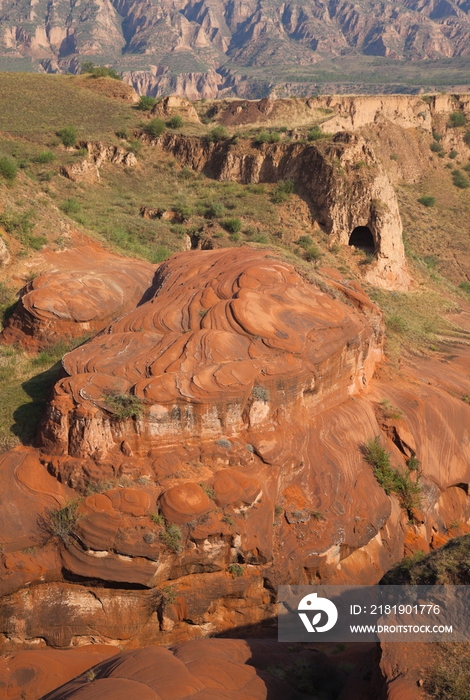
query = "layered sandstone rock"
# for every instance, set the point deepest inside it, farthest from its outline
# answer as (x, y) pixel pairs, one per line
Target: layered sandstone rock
(239, 467)
(215, 668)
(230, 338)
(73, 301)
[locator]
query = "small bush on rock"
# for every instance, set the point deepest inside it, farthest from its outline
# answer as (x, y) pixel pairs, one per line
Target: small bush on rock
(60, 522)
(393, 480)
(218, 133)
(172, 537)
(457, 119)
(124, 405)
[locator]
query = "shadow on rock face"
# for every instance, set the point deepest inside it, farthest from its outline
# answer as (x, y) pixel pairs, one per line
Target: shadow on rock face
(210, 668)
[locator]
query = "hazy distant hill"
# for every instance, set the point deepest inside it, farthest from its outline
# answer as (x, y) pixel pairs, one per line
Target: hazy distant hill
(243, 45)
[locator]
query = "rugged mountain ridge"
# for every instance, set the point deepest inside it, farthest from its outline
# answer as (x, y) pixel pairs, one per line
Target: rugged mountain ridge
(206, 46)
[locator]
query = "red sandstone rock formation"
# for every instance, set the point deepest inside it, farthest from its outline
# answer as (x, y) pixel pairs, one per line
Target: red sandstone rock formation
(77, 298)
(241, 467)
(32, 674)
(210, 668)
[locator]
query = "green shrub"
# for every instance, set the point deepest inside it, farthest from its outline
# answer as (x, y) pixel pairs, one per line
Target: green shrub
(312, 253)
(393, 480)
(145, 103)
(457, 119)
(155, 127)
(68, 136)
(60, 522)
(267, 137)
(304, 242)
(465, 286)
(233, 225)
(218, 133)
(460, 180)
(453, 154)
(208, 490)
(100, 71)
(157, 518)
(175, 122)
(122, 134)
(283, 190)
(71, 206)
(393, 156)
(8, 169)
(215, 210)
(466, 138)
(124, 405)
(44, 157)
(315, 134)
(236, 570)
(437, 147)
(172, 537)
(427, 201)
(437, 137)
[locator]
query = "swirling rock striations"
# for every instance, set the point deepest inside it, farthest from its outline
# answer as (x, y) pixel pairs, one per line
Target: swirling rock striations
(231, 340)
(209, 668)
(75, 299)
(214, 435)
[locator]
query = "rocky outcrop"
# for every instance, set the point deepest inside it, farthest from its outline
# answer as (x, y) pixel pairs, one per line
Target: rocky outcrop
(213, 354)
(345, 184)
(214, 434)
(88, 170)
(159, 81)
(222, 668)
(74, 301)
(173, 105)
(32, 674)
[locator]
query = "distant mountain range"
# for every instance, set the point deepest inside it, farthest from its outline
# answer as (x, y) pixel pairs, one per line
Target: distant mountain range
(252, 47)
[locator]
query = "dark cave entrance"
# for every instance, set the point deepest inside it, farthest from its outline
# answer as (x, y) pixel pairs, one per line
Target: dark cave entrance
(362, 238)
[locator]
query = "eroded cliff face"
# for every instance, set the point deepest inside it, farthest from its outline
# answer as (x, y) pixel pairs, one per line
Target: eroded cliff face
(342, 179)
(241, 468)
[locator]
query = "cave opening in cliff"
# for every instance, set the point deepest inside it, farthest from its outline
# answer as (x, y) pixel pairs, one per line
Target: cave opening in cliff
(362, 238)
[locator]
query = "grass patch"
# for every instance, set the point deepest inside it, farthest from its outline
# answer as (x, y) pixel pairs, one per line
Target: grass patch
(61, 522)
(124, 405)
(172, 537)
(448, 565)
